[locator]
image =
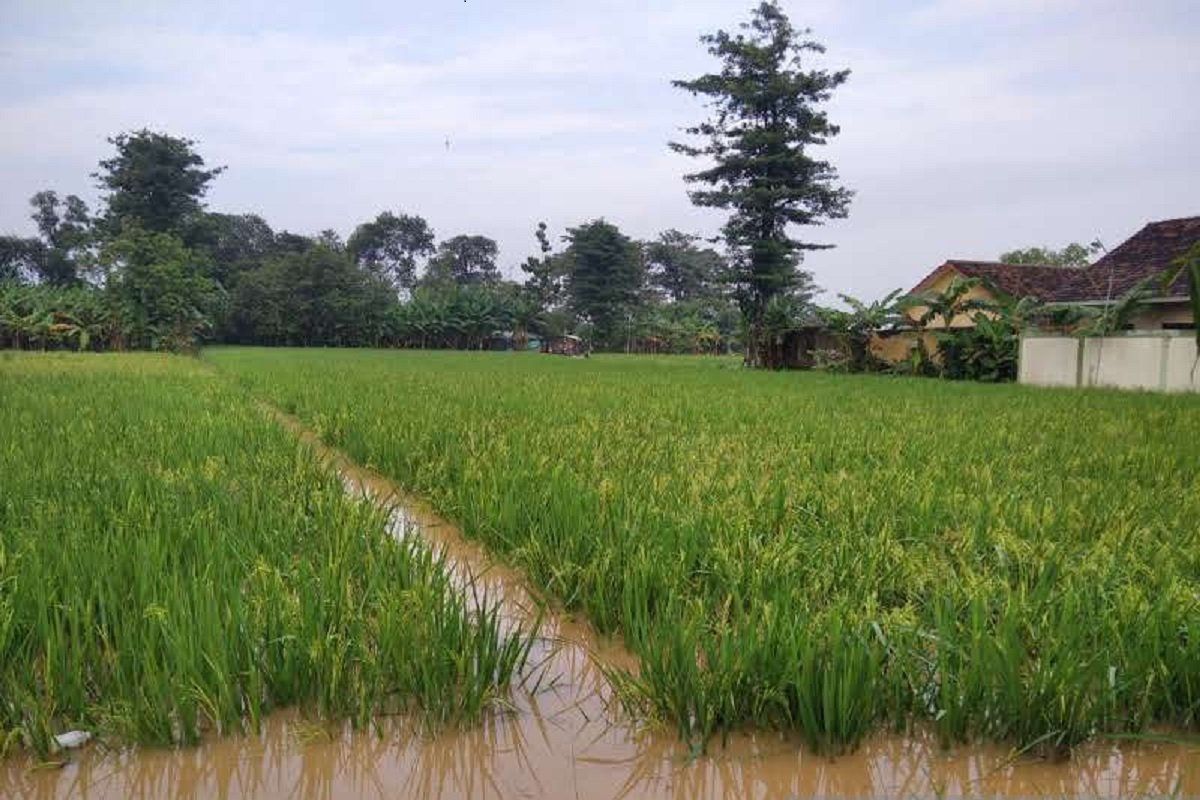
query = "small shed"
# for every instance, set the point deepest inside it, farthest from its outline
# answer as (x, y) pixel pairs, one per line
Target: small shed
(798, 347)
(568, 345)
(500, 340)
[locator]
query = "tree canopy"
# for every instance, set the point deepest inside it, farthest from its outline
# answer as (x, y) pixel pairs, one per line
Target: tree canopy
(604, 274)
(1071, 255)
(156, 269)
(681, 269)
(464, 261)
(155, 179)
(765, 121)
(391, 245)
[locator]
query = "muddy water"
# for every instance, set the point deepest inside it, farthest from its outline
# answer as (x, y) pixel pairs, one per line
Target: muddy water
(565, 738)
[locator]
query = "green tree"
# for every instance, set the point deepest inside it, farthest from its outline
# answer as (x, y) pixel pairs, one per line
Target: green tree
(294, 243)
(604, 276)
(545, 272)
(1072, 255)
(235, 244)
(65, 229)
(464, 261)
(765, 122)
(315, 297)
(20, 258)
(155, 180)
(681, 269)
(55, 256)
(158, 289)
(390, 246)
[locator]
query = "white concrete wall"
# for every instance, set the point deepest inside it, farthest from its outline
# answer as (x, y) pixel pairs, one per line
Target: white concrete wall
(1183, 372)
(1049, 361)
(1133, 362)
(1159, 361)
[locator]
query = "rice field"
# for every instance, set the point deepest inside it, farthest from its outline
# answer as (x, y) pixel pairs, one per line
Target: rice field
(173, 563)
(824, 554)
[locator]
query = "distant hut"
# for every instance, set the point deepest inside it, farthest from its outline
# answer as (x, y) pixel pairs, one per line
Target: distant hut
(798, 348)
(567, 345)
(499, 341)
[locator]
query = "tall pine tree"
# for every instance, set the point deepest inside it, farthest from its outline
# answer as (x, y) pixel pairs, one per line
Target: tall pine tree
(765, 122)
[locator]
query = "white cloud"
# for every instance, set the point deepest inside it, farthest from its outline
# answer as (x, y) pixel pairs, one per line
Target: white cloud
(1055, 126)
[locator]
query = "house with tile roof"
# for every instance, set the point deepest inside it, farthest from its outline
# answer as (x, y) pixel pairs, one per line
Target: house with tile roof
(1147, 255)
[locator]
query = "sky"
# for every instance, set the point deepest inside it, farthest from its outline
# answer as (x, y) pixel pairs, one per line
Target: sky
(969, 127)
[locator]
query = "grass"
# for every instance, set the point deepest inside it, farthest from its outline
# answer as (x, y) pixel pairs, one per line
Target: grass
(172, 562)
(824, 554)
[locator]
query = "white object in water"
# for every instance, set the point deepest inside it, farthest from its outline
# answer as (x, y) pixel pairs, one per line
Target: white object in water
(72, 739)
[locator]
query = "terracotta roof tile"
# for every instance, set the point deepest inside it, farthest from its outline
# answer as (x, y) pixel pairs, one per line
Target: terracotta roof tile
(1146, 254)
(1042, 281)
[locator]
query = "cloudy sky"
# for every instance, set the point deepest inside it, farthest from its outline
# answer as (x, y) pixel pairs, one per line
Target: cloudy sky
(968, 126)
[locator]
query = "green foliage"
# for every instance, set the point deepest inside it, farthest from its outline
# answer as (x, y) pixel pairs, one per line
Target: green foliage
(65, 229)
(463, 261)
(234, 244)
(681, 270)
(765, 122)
(314, 297)
(47, 317)
(1072, 255)
(985, 351)
(977, 339)
(824, 554)
(155, 181)
(158, 289)
(691, 326)
(21, 258)
(604, 275)
(1189, 264)
(57, 254)
(860, 323)
(545, 272)
(390, 246)
(173, 563)
(1118, 314)
(462, 317)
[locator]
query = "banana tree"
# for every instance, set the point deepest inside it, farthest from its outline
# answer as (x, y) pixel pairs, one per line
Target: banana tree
(861, 322)
(1118, 315)
(1189, 264)
(948, 304)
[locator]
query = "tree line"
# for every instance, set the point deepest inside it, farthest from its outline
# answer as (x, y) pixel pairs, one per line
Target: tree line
(154, 268)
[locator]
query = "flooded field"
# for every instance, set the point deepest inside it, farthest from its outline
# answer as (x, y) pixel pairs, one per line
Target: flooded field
(546, 750)
(564, 737)
(824, 555)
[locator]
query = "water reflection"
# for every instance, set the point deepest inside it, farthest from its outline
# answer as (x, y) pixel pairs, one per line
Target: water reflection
(542, 751)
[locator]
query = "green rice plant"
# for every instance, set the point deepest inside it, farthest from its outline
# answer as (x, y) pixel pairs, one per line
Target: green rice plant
(823, 554)
(172, 563)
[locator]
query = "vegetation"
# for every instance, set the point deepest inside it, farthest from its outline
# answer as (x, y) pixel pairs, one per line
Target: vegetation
(172, 562)
(824, 554)
(169, 274)
(391, 246)
(54, 317)
(765, 122)
(1189, 264)
(1071, 255)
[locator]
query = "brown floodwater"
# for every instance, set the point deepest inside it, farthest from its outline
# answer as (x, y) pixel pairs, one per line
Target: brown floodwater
(563, 736)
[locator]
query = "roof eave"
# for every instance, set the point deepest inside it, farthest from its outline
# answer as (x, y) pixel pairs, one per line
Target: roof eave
(1149, 300)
